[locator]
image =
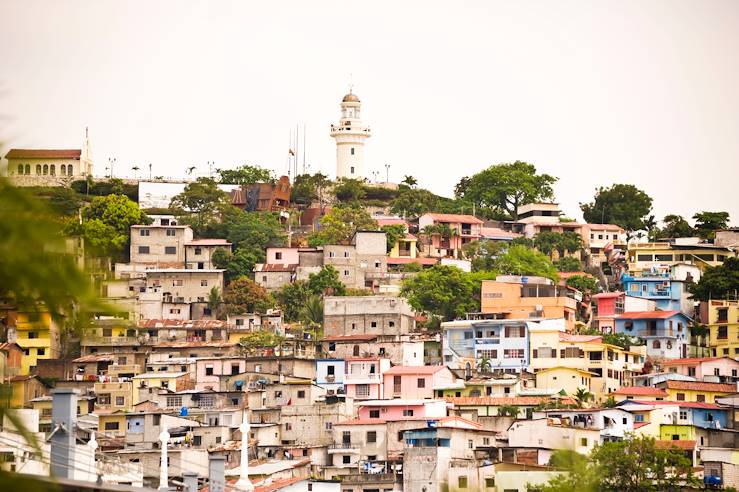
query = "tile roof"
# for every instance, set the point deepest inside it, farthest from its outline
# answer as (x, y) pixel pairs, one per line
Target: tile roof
(384, 222)
(682, 404)
(685, 445)
(605, 227)
(606, 295)
(649, 314)
(495, 401)
(640, 390)
(182, 323)
(567, 337)
(640, 424)
(496, 232)
(692, 360)
(275, 267)
(698, 386)
(398, 370)
(105, 357)
(471, 219)
(405, 261)
(44, 154)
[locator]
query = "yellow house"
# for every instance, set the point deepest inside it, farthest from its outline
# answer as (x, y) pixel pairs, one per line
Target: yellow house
(565, 379)
(722, 320)
(148, 385)
(610, 366)
(44, 403)
(522, 298)
(112, 424)
(114, 395)
(696, 391)
(646, 255)
(38, 334)
(641, 393)
(24, 389)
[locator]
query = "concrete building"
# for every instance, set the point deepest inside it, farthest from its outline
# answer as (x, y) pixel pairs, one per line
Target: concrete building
(160, 246)
(643, 256)
(350, 134)
(666, 333)
(505, 343)
(415, 382)
(199, 253)
(721, 317)
(49, 167)
(173, 293)
(609, 305)
(666, 286)
(707, 369)
(443, 235)
(363, 377)
(375, 315)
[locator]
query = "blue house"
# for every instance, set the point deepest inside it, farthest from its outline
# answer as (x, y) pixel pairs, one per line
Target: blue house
(504, 343)
(666, 333)
(330, 375)
(662, 287)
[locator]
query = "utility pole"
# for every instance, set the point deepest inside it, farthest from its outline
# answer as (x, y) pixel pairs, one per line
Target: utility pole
(150, 171)
(387, 173)
(112, 161)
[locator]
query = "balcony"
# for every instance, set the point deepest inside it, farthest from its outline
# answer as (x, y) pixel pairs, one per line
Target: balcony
(664, 333)
(487, 341)
(86, 341)
(362, 378)
(343, 448)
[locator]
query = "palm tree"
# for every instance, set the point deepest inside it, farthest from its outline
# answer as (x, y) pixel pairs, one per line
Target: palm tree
(484, 364)
(410, 181)
(311, 314)
(191, 170)
(582, 396)
(135, 170)
(214, 301)
(508, 411)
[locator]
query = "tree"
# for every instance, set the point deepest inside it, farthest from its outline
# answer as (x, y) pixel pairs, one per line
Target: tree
(393, 233)
(241, 263)
(508, 411)
(568, 264)
(443, 291)
(349, 190)
(221, 257)
(291, 298)
(64, 201)
(106, 224)
(719, 282)
(251, 231)
(326, 282)
(250, 342)
(482, 254)
(676, 226)
(505, 187)
(520, 260)
(215, 301)
(707, 223)
(246, 296)
(562, 242)
(584, 283)
(340, 224)
(413, 202)
(311, 313)
(307, 188)
(245, 175)
(201, 204)
(484, 364)
(582, 397)
(410, 181)
(621, 204)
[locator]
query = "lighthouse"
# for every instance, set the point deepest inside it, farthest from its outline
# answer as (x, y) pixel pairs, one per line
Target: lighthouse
(350, 134)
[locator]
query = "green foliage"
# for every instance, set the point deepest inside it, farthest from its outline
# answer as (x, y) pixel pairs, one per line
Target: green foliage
(503, 188)
(568, 264)
(676, 226)
(412, 267)
(508, 411)
(257, 340)
(252, 231)
(105, 188)
(291, 298)
(621, 204)
(393, 233)
(64, 201)
(245, 296)
(483, 254)
(413, 202)
(215, 301)
(583, 283)
(549, 242)
(340, 224)
(520, 260)
(349, 190)
(719, 282)
(409, 181)
(484, 364)
(245, 175)
(311, 313)
(326, 282)
(610, 402)
(307, 188)
(634, 464)
(201, 205)
(582, 397)
(106, 224)
(443, 291)
(221, 257)
(241, 263)
(707, 223)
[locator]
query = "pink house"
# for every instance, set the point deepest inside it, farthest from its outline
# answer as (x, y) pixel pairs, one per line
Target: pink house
(713, 369)
(363, 377)
(608, 305)
(463, 229)
(209, 371)
(401, 409)
(416, 382)
(284, 256)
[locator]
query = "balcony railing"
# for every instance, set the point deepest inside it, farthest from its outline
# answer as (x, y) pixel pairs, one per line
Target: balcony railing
(110, 341)
(361, 377)
(667, 333)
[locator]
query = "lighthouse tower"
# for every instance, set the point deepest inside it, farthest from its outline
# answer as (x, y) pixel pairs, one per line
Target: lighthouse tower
(350, 135)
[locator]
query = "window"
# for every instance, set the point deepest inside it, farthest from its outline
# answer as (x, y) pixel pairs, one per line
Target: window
(111, 426)
(583, 441)
(421, 382)
(164, 384)
(490, 482)
(371, 436)
(143, 250)
(362, 391)
(352, 151)
(104, 399)
(407, 413)
(203, 283)
(470, 443)
(722, 333)
(700, 398)
(656, 344)
(680, 397)
(38, 168)
(171, 232)
(209, 370)
(288, 426)
(41, 351)
(32, 335)
(197, 440)
(462, 482)
(373, 324)
(177, 282)
(234, 369)
(374, 414)
(346, 273)
(351, 170)
(329, 425)
(120, 401)
(513, 354)
(301, 394)
(391, 324)
(144, 232)
(170, 250)
(346, 459)
(346, 254)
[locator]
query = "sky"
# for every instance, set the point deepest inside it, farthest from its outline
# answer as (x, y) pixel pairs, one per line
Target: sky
(593, 92)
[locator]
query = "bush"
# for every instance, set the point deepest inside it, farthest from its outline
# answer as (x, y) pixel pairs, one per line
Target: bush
(376, 193)
(104, 188)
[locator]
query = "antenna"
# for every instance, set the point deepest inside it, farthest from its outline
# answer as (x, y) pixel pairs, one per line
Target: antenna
(303, 148)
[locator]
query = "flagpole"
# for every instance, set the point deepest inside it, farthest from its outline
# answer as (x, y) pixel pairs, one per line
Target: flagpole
(303, 148)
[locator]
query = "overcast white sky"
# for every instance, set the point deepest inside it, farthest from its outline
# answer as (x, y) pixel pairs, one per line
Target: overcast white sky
(642, 92)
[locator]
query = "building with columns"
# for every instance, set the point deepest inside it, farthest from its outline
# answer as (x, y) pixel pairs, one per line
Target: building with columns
(350, 134)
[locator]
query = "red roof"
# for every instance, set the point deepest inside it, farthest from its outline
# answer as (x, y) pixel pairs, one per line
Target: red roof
(649, 314)
(351, 338)
(567, 337)
(384, 222)
(405, 261)
(467, 219)
(43, 154)
(498, 232)
(692, 360)
(607, 295)
(275, 267)
(640, 424)
(640, 390)
(398, 370)
(685, 445)
(683, 404)
(698, 386)
(495, 401)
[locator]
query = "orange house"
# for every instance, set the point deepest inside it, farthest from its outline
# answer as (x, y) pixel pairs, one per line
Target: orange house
(514, 297)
